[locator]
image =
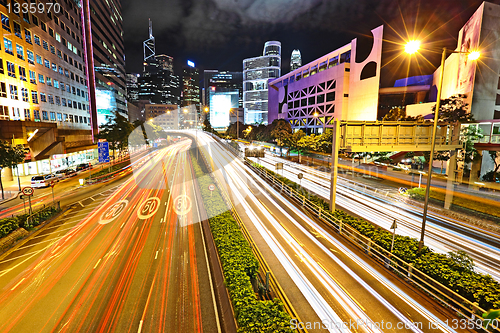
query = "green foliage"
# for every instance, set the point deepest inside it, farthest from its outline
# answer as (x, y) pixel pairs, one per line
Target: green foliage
(116, 131)
(455, 270)
(281, 131)
(9, 224)
(9, 157)
(395, 114)
(454, 109)
(239, 265)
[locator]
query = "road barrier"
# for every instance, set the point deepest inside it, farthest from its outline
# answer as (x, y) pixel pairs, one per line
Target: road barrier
(405, 271)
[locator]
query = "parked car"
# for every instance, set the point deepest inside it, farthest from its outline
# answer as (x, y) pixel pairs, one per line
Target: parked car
(65, 173)
(70, 172)
(43, 181)
(83, 166)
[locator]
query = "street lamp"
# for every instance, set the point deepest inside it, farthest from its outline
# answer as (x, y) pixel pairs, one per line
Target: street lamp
(412, 47)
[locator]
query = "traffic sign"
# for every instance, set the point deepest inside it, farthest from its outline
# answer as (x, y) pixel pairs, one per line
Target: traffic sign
(394, 224)
(52, 184)
(211, 187)
(148, 208)
(28, 190)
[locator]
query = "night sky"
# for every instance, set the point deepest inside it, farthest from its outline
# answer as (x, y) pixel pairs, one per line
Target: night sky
(219, 34)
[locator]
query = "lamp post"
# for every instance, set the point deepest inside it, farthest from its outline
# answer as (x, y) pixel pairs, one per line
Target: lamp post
(413, 47)
(237, 110)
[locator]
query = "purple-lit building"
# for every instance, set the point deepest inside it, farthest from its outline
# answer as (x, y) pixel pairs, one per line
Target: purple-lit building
(343, 84)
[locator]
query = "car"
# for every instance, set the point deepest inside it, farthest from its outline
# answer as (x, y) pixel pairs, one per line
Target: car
(70, 172)
(43, 181)
(83, 166)
(60, 173)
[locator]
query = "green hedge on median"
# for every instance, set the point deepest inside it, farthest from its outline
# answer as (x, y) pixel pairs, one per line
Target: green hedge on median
(239, 265)
(9, 224)
(454, 270)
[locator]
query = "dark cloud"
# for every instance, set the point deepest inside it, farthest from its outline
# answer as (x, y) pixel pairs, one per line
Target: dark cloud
(221, 33)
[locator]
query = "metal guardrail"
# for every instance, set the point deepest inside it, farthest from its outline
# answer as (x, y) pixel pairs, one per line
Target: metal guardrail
(442, 294)
(273, 281)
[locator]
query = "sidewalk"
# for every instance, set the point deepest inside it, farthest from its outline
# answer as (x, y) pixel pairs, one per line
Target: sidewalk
(11, 187)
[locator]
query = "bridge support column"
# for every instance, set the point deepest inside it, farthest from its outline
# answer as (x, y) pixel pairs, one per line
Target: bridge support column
(450, 184)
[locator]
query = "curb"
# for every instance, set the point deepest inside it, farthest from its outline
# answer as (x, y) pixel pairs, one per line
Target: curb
(8, 200)
(32, 234)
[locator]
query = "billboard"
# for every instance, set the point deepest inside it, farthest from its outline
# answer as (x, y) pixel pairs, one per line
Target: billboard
(468, 40)
(103, 151)
(220, 104)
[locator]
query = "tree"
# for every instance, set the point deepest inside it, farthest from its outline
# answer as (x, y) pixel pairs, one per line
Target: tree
(395, 114)
(293, 140)
(116, 131)
(454, 109)
(281, 132)
(233, 127)
(492, 175)
(325, 141)
(10, 156)
(207, 127)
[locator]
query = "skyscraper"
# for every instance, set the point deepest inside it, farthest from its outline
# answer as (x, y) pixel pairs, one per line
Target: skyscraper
(256, 74)
(295, 60)
(109, 58)
(190, 93)
(158, 84)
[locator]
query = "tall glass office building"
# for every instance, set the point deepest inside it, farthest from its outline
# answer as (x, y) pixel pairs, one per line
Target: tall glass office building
(256, 74)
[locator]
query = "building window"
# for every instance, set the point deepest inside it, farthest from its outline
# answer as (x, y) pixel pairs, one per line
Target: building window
(58, 37)
(54, 67)
(45, 115)
(45, 45)
(52, 116)
(74, 105)
(66, 73)
(5, 22)
(39, 59)
(41, 78)
(74, 90)
(497, 102)
(52, 49)
(17, 30)
(46, 63)
(13, 92)
(26, 17)
(7, 43)
(1, 66)
(49, 81)
(3, 90)
(31, 57)
(61, 70)
(43, 97)
(59, 54)
(51, 32)
(22, 73)
(25, 95)
(32, 77)
(70, 118)
(11, 69)
(20, 51)
(4, 112)
(37, 40)
(70, 103)
(63, 100)
(50, 98)
(56, 84)
(27, 36)
(59, 116)
(62, 86)
(68, 88)
(34, 19)
(76, 119)
(16, 115)
(58, 100)
(43, 26)
(330, 97)
(27, 114)
(36, 115)
(34, 96)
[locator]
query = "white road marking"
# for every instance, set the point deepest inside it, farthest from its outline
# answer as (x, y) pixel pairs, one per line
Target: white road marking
(98, 261)
(156, 256)
(18, 284)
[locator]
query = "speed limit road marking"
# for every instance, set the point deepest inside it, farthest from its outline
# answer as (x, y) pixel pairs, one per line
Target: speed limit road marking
(112, 212)
(182, 204)
(148, 208)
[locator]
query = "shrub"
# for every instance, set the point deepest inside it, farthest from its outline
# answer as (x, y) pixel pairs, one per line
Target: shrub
(454, 270)
(239, 265)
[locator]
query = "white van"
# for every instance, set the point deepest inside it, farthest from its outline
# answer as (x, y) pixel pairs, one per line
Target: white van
(43, 181)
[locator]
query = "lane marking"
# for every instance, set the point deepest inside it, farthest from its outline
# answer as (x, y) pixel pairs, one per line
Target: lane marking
(156, 256)
(98, 261)
(81, 204)
(18, 284)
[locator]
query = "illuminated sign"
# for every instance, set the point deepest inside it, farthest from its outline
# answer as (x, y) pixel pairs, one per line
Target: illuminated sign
(190, 63)
(220, 105)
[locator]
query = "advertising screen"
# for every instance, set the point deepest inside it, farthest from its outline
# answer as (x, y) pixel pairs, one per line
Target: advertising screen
(220, 104)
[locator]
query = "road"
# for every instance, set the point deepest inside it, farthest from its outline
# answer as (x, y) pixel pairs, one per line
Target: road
(134, 262)
(338, 283)
(443, 234)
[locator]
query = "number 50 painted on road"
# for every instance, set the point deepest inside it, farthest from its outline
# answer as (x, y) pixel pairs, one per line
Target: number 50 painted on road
(148, 208)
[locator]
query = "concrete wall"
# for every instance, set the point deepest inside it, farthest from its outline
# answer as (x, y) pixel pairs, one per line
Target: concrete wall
(363, 93)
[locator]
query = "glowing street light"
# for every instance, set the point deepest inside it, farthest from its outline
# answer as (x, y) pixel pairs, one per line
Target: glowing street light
(412, 47)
